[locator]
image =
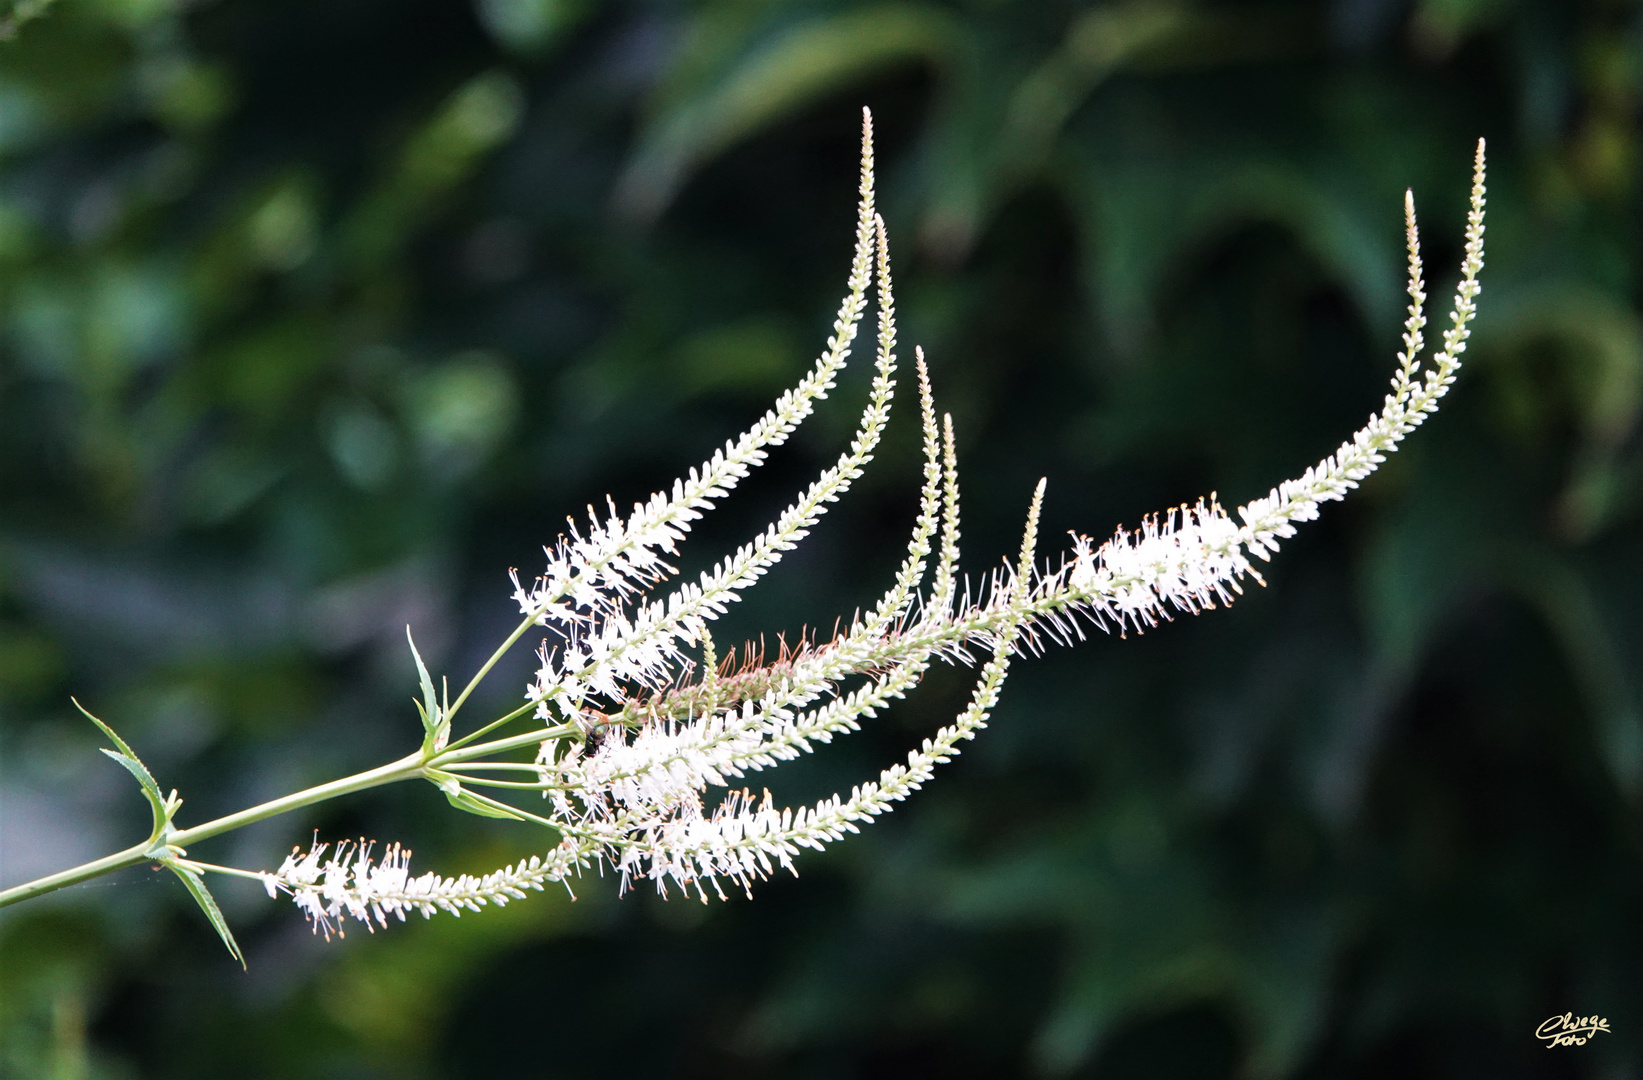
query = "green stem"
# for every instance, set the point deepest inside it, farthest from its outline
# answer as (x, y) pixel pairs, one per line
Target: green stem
(131, 856)
(406, 768)
(212, 868)
(457, 744)
(500, 746)
(409, 767)
(509, 808)
(516, 785)
(479, 676)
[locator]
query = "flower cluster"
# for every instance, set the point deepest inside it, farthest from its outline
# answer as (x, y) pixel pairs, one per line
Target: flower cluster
(1194, 555)
(352, 884)
(1187, 559)
(640, 720)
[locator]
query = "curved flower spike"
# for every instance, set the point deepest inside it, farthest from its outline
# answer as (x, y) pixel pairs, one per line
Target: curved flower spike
(641, 718)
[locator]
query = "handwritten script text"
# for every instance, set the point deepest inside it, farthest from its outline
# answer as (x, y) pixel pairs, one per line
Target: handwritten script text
(1570, 1030)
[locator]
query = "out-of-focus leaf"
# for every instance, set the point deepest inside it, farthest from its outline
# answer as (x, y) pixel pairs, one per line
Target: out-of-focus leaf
(1144, 210)
(1443, 24)
(532, 26)
(19, 14)
(261, 375)
(393, 994)
(189, 96)
(757, 355)
(22, 116)
(986, 144)
(362, 443)
(1602, 340)
(782, 72)
(1581, 627)
(443, 153)
(461, 411)
(54, 964)
(1152, 935)
(30, 663)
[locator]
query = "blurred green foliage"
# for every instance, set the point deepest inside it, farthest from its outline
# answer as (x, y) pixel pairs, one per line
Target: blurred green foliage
(316, 317)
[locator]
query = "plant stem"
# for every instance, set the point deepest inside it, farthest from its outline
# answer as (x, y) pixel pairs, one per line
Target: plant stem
(406, 768)
(213, 868)
(456, 744)
(516, 785)
(479, 676)
(410, 767)
(500, 746)
(131, 856)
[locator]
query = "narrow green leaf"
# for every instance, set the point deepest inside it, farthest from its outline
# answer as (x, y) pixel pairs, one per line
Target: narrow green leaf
(144, 777)
(129, 760)
(466, 800)
(433, 716)
(208, 904)
(430, 701)
(135, 768)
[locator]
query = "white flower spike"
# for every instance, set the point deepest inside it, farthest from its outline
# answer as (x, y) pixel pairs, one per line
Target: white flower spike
(633, 718)
(637, 744)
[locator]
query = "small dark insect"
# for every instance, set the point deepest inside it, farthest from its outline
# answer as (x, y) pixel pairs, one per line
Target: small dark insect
(596, 725)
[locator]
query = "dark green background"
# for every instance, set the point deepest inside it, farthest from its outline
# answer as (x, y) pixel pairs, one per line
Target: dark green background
(318, 315)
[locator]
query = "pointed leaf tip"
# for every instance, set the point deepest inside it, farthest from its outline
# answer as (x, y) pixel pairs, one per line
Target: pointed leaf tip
(128, 759)
(432, 715)
(208, 904)
(468, 801)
